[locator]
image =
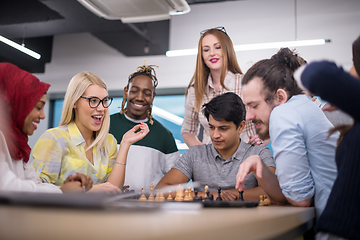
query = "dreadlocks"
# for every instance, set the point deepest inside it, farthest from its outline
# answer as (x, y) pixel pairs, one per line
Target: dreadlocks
(146, 70)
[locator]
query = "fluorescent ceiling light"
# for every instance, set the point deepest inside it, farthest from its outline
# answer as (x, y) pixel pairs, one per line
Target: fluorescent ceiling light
(256, 46)
(20, 47)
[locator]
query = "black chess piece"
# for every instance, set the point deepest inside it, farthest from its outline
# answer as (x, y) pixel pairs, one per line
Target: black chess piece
(209, 196)
(219, 194)
(241, 197)
(197, 198)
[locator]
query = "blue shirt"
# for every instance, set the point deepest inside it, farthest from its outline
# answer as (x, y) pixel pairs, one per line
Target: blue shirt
(304, 157)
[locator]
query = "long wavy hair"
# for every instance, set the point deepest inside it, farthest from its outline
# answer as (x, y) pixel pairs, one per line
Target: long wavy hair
(201, 75)
(76, 88)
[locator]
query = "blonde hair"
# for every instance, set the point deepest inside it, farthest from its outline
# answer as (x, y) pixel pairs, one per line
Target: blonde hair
(76, 88)
(201, 75)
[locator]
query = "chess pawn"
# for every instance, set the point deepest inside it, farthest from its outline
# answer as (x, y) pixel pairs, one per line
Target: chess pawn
(186, 198)
(169, 198)
(219, 194)
(267, 201)
(196, 198)
(179, 194)
(261, 203)
(189, 196)
(151, 197)
(161, 197)
(208, 196)
(142, 197)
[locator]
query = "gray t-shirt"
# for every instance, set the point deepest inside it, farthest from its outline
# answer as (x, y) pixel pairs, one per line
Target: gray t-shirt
(203, 164)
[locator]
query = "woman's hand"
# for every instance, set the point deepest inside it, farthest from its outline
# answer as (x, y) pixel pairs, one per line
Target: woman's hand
(106, 187)
(77, 182)
(135, 134)
(255, 140)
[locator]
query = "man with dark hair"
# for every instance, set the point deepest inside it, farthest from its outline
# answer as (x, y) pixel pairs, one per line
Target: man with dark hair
(216, 164)
(150, 158)
(303, 152)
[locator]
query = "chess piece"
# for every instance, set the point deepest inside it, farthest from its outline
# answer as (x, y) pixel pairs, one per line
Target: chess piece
(179, 194)
(206, 190)
(142, 197)
(161, 197)
(190, 197)
(196, 198)
(151, 196)
(169, 198)
(266, 201)
(241, 196)
(219, 194)
(186, 198)
(208, 196)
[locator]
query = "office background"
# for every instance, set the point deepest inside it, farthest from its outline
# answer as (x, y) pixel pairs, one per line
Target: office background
(252, 21)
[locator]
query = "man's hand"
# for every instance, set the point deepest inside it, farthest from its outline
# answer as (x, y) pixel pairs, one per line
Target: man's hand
(251, 164)
(86, 182)
(230, 195)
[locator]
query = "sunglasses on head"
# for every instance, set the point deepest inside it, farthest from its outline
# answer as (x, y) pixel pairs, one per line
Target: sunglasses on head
(221, 28)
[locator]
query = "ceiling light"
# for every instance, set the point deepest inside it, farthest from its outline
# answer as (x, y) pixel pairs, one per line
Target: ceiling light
(20, 47)
(255, 46)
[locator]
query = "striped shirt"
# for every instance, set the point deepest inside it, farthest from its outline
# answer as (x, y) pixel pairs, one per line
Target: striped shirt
(60, 152)
(193, 118)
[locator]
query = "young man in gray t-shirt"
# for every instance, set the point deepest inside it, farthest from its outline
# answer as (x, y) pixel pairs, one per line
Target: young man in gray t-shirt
(217, 164)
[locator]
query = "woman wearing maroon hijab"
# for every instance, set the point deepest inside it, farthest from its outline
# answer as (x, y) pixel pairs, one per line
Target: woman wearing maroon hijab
(22, 101)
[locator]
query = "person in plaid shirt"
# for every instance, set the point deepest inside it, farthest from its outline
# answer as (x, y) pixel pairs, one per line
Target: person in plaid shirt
(82, 142)
(217, 72)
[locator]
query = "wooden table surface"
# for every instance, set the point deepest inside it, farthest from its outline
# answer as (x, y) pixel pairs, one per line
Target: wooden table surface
(270, 222)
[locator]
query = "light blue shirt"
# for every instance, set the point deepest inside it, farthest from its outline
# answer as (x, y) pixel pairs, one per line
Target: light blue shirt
(304, 157)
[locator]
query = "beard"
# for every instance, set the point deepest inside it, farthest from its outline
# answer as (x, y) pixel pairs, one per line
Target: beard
(264, 135)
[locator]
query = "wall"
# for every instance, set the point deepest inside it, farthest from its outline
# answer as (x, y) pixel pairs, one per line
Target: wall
(253, 21)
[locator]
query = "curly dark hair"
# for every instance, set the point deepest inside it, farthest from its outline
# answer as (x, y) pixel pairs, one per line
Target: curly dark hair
(275, 73)
(146, 70)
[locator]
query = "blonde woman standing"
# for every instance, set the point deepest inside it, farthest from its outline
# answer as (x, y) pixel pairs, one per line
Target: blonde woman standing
(82, 142)
(217, 71)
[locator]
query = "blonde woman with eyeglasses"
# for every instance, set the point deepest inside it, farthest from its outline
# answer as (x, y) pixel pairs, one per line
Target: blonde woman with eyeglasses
(82, 142)
(217, 71)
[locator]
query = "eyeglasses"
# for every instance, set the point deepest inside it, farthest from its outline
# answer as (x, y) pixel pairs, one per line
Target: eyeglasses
(94, 102)
(221, 28)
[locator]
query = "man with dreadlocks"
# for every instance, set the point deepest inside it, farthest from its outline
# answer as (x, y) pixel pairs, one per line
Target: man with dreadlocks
(150, 158)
